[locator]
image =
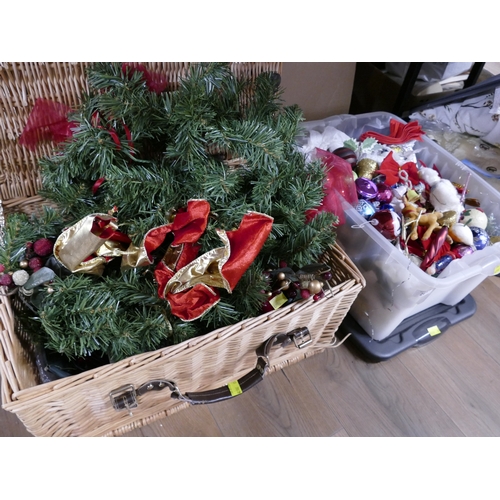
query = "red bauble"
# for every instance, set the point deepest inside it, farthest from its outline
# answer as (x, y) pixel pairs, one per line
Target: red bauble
(387, 222)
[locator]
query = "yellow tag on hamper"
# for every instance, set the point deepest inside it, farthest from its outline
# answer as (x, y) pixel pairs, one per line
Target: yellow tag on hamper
(433, 330)
(497, 270)
(278, 301)
(234, 388)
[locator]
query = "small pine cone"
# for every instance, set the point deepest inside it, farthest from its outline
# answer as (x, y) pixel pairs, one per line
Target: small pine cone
(43, 247)
(5, 280)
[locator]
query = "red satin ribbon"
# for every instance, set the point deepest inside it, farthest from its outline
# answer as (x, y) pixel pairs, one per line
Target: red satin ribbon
(105, 230)
(97, 184)
(399, 133)
(192, 303)
(187, 227)
(245, 244)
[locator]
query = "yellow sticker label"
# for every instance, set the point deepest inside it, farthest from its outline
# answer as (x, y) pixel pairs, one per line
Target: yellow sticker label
(234, 388)
(497, 270)
(433, 330)
(279, 300)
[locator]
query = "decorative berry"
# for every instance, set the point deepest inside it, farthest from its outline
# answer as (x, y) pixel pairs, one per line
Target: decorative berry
(35, 263)
(2, 268)
(5, 280)
(305, 293)
(43, 247)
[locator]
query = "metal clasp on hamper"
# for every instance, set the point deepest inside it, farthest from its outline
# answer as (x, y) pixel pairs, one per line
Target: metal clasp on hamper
(301, 337)
(125, 397)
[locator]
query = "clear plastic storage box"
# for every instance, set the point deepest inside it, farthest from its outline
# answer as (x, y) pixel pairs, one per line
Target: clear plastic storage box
(396, 288)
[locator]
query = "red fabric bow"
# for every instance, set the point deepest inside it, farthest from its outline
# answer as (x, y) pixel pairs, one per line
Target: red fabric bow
(391, 168)
(47, 122)
(187, 227)
(399, 133)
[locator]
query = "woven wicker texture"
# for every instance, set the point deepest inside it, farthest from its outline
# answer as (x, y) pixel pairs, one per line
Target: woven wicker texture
(22, 83)
(80, 405)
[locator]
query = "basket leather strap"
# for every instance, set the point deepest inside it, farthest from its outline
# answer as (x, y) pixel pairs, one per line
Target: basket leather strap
(126, 397)
(250, 379)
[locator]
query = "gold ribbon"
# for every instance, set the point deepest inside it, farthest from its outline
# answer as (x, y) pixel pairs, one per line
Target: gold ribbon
(206, 270)
(77, 243)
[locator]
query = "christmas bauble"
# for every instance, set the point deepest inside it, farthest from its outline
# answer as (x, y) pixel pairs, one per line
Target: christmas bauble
(480, 237)
(388, 223)
(366, 168)
(474, 217)
(384, 193)
(365, 208)
(442, 263)
(315, 286)
(460, 233)
(448, 219)
(346, 154)
(462, 250)
(366, 188)
(379, 178)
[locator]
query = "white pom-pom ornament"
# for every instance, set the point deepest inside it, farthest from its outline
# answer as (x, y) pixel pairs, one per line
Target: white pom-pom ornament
(20, 277)
(444, 195)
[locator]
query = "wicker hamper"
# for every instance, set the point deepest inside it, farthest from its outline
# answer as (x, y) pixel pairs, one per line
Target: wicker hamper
(118, 397)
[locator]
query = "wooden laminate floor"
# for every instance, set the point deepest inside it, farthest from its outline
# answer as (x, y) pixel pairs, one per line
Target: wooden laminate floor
(450, 387)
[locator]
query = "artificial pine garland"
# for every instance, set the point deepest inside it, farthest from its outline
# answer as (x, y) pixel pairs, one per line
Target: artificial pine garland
(142, 155)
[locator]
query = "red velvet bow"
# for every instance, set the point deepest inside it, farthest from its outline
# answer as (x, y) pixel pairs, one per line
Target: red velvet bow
(391, 168)
(399, 133)
(48, 121)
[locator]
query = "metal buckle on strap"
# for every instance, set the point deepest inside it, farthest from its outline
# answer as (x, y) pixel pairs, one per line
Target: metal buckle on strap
(125, 397)
(301, 337)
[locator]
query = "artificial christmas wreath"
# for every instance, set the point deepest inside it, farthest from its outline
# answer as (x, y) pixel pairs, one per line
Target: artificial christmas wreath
(169, 214)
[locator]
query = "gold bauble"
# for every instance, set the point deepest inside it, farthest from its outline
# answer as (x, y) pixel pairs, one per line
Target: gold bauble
(315, 286)
(281, 276)
(284, 285)
(366, 168)
(448, 219)
(24, 264)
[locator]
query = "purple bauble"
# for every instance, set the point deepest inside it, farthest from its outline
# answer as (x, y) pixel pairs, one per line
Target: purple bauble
(366, 188)
(462, 250)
